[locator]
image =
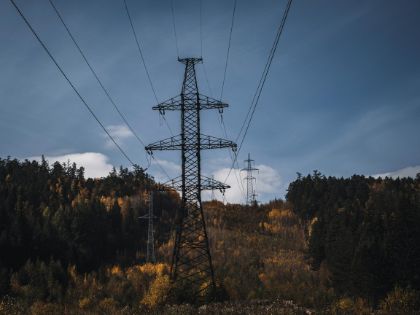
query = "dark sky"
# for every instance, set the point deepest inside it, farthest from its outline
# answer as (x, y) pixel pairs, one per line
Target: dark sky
(342, 95)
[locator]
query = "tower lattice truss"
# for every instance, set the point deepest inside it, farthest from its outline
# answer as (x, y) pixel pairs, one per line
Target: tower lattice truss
(150, 254)
(191, 261)
(250, 181)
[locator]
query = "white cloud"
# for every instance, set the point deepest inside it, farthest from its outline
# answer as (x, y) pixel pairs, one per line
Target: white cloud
(268, 179)
(95, 164)
(410, 171)
(235, 194)
(119, 133)
(268, 182)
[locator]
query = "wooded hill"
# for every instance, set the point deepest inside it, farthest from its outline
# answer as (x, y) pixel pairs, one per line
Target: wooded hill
(56, 213)
(336, 246)
(364, 231)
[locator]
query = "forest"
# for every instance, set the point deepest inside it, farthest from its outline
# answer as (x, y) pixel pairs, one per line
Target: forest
(75, 245)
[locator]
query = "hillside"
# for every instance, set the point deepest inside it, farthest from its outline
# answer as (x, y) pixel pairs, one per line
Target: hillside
(75, 245)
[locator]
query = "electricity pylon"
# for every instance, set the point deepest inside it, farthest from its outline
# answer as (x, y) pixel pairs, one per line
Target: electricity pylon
(150, 255)
(213, 197)
(191, 260)
(250, 190)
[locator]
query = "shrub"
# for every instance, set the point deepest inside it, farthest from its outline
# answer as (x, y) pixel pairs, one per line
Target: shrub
(108, 306)
(85, 303)
(348, 306)
(10, 306)
(39, 281)
(41, 308)
(158, 291)
(400, 301)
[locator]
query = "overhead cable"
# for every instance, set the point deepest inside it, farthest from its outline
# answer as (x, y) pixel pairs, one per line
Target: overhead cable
(228, 50)
(256, 98)
(174, 27)
(95, 75)
(69, 82)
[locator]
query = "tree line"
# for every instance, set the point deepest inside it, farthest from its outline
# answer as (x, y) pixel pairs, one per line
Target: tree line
(54, 214)
(363, 230)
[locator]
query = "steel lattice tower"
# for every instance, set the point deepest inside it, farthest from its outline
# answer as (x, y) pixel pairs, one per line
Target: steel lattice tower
(250, 191)
(213, 197)
(191, 261)
(150, 255)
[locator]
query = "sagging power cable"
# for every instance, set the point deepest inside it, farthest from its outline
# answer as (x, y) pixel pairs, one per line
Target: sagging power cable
(70, 83)
(111, 100)
(251, 111)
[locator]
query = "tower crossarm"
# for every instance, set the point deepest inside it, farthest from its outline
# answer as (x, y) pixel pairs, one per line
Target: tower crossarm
(175, 143)
(207, 102)
(207, 183)
(210, 142)
(249, 169)
(190, 60)
(172, 143)
(175, 103)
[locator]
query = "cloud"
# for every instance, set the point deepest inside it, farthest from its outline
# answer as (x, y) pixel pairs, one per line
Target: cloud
(95, 164)
(119, 133)
(410, 171)
(268, 181)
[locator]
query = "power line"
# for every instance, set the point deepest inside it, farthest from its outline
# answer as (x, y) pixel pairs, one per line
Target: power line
(261, 83)
(222, 123)
(166, 123)
(201, 28)
(144, 62)
(207, 80)
(148, 77)
(69, 82)
(140, 51)
(95, 74)
(161, 167)
(174, 27)
(201, 49)
(232, 156)
(106, 91)
(265, 73)
(228, 50)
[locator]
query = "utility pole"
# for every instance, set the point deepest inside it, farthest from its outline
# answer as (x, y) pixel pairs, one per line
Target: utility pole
(250, 191)
(191, 265)
(150, 255)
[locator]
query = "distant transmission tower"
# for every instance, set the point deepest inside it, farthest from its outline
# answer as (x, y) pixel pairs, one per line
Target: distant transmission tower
(150, 256)
(191, 261)
(213, 197)
(250, 180)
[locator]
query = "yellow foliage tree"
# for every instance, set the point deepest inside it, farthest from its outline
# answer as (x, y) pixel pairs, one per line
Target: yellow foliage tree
(158, 291)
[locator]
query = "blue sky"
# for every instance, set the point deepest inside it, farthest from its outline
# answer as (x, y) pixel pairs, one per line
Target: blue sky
(342, 95)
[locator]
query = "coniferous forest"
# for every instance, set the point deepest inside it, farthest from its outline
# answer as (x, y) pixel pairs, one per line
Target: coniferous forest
(75, 245)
